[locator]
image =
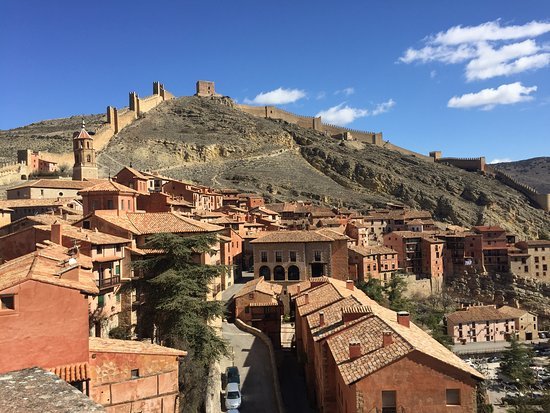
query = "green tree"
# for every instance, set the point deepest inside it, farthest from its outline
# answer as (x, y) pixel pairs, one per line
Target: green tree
(373, 288)
(178, 314)
(395, 292)
(515, 365)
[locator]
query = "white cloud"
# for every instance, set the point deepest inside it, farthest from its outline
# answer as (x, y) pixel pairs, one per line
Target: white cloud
(490, 31)
(509, 59)
(278, 96)
(321, 95)
(383, 107)
(343, 114)
(487, 99)
(486, 49)
(501, 160)
(433, 74)
(346, 91)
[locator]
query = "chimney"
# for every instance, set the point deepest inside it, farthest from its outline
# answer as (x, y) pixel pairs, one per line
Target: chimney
(56, 234)
(306, 298)
(349, 284)
(404, 318)
(354, 349)
(321, 319)
(298, 289)
(387, 338)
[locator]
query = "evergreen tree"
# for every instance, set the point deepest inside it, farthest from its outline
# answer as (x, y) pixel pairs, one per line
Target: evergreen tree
(395, 290)
(515, 365)
(175, 286)
(374, 289)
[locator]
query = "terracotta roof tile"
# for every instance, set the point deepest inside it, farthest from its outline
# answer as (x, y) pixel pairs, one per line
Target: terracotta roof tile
(371, 250)
(55, 183)
(512, 311)
(72, 372)
(158, 222)
(108, 186)
(22, 203)
(109, 345)
(477, 313)
(411, 337)
(260, 285)
(322, 235)
(81, 234)
(369, 333)
(48, 265)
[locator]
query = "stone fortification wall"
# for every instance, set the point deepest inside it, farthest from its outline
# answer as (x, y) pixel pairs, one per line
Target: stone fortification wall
(117, 119)
(404, 151)
(468, 164)
(541, 200)
(315, 123)
(374, 138)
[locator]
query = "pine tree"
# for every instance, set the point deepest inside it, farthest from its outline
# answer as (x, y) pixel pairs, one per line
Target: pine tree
(515, 365)
(176, 312)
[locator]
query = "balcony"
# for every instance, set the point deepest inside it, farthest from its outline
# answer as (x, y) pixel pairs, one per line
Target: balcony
(103, 283)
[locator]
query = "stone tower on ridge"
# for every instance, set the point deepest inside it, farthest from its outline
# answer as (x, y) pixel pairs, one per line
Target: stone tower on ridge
(85, 166)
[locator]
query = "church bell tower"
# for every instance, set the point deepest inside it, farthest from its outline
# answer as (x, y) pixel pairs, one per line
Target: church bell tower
(84, 156)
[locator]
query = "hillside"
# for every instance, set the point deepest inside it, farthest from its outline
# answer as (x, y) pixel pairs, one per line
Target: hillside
(210, 142)
(534, 172)
(50, 135)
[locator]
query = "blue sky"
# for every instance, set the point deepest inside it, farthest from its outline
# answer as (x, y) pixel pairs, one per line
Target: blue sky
(399, 67)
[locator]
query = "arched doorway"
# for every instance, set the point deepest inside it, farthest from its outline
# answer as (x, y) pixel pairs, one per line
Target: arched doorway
(265, 272)
(279, 273)
(293, 273)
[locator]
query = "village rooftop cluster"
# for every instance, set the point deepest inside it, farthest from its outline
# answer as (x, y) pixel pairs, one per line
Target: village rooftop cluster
(68, 246)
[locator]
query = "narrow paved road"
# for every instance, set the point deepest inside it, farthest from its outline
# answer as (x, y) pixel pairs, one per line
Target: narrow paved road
(252, 358)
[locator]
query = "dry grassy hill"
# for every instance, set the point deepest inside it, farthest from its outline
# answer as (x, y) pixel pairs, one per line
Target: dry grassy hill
(534, 172)
(210, 142)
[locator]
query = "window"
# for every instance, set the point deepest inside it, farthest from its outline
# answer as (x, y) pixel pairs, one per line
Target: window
(109, 204)
(278, 256)
(247, 309)
(7, 302)
(99, 249)
(292, 255)
(100, 300)
(263, 255)
(118, 248)
(453, 397)
(129, 205)
(86, 225)
(122, 204)
(317, 256)
(117, 269)
(250, 296)
(389, 401)
(134, 373)
(537, 259)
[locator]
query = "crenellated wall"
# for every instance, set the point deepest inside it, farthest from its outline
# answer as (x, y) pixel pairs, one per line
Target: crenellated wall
(468, 164)
(541, 200)
(316, 123)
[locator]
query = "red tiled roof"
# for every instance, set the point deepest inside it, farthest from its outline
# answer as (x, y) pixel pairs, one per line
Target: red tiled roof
(158, 222)
(108, 186)
(109, 345)
(72, 372)
(54, 183)
(48, 265)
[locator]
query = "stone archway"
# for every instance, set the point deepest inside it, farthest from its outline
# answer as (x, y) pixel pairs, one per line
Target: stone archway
(293, 273)
(265, 272)
(278, 273)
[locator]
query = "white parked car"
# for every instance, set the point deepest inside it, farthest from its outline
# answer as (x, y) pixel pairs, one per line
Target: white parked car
(232, 396)
(232, 411)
